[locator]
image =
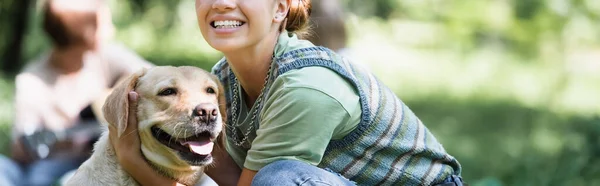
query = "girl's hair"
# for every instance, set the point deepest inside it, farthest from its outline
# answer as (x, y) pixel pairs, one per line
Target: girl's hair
(298, 18)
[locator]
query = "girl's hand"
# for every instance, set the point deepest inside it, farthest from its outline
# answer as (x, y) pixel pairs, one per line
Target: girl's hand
(224, 171)
(128, 150)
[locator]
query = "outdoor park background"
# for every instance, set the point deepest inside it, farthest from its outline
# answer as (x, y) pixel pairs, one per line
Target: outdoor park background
(510, 87)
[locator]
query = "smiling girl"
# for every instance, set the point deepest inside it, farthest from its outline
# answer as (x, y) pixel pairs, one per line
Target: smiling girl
(299, 114)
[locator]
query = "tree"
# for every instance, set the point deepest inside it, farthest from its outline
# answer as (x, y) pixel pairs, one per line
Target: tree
(14, 17)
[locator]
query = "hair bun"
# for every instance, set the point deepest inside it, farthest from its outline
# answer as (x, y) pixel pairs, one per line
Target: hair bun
(298, 17)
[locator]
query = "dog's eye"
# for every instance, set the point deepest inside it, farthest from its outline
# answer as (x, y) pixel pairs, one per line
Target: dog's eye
(167, 92)
(210, 90)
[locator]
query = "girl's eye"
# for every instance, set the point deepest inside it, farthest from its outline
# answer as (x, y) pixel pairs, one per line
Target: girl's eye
(167, 92)
(210, 90)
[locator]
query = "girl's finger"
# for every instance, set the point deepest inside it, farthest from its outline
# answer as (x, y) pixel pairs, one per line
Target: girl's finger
(132, 116)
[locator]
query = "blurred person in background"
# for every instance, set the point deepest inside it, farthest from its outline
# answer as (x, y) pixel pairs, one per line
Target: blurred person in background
(328, 25)
(58, 93)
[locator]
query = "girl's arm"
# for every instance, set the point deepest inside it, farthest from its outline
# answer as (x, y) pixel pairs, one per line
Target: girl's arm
(224, 170)
(127, 147)
(246, 177)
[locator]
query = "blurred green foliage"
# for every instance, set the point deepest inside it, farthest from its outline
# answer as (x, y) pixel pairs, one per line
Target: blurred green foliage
(510, 87)
(6, 112)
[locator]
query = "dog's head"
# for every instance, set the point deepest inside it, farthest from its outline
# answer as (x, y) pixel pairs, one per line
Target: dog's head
(180, 113)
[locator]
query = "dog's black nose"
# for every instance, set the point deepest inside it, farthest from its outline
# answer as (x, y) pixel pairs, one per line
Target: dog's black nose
(205, 112)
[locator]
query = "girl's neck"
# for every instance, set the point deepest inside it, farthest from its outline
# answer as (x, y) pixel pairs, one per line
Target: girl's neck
(251, 65)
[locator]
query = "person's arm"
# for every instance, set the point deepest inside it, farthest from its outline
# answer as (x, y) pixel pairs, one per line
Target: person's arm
(122, 61)
(224, 170)
(246, 177)
(27, 114)
(127, 147)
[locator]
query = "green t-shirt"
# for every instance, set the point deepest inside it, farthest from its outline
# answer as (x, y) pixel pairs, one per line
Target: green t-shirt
(304, 110)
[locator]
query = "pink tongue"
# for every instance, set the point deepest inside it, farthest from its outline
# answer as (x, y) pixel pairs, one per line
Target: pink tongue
(202, 148)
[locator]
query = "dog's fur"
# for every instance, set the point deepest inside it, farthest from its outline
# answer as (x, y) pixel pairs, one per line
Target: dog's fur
(173, 114)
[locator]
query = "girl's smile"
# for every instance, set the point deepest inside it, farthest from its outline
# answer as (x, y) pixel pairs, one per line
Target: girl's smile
(235, 26)
(224, 25)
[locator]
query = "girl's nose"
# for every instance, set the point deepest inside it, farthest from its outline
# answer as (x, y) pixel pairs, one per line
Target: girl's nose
(224, 5)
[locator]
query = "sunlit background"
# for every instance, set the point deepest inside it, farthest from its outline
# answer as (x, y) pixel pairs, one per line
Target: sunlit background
(510, 87)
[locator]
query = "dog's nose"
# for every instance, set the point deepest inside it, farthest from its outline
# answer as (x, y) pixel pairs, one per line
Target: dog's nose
(206, 112)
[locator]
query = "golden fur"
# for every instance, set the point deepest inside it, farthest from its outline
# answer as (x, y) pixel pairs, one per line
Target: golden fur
(172, 114)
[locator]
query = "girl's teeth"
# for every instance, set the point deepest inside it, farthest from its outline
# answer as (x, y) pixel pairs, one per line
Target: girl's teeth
(227, 24)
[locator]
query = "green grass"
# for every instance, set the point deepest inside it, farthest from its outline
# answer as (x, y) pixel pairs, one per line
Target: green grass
(511, 144)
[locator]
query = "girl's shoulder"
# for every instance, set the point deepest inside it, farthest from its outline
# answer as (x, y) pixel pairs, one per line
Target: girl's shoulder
(321, 81)
(309, 56)
(221, 68)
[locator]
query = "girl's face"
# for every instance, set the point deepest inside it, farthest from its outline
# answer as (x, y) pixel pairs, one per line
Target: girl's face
(229, 25)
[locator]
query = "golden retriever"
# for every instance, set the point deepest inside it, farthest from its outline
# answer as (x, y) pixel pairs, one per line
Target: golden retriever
(179, 116)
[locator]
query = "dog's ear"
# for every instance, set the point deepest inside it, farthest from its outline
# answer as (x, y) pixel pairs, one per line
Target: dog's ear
(116, 106)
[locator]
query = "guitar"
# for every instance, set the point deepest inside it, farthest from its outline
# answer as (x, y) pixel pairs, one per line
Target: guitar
(43, 142)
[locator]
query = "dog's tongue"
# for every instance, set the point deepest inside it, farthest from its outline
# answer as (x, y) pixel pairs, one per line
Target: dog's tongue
(202, 148)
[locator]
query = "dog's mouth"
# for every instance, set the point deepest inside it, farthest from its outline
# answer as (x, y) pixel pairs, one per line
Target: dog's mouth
(195, 149)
